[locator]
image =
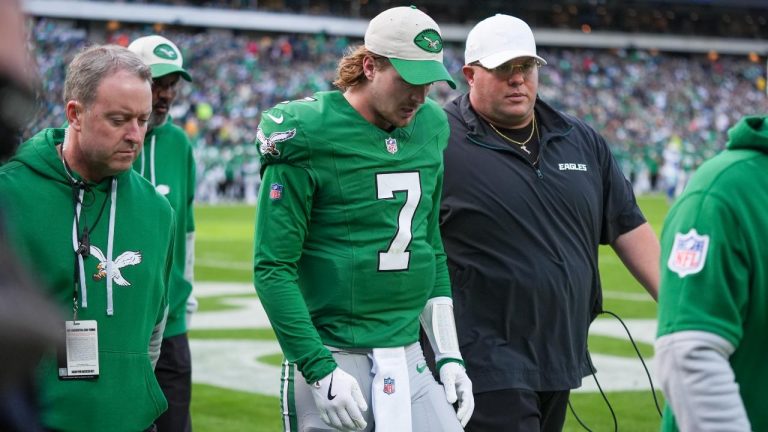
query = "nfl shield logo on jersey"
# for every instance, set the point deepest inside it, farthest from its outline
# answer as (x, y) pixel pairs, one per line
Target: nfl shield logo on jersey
(275, 191)
(391, 145)
(689, 252)
(389, 385)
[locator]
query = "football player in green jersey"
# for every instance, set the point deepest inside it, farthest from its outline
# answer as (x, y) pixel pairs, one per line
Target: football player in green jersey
(348, 257)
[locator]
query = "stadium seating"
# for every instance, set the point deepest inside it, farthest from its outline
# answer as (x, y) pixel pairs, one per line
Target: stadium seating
(641, 101)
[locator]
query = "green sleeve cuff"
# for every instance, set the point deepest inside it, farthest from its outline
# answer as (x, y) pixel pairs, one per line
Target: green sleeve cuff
(440, 364)
(315, 371)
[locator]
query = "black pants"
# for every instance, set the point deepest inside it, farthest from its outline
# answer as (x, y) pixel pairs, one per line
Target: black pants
(519, 411)
(174, 373)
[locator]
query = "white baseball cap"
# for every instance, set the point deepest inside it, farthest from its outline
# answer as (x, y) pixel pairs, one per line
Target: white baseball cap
(411, 40)
(499, 39)
(161, 55)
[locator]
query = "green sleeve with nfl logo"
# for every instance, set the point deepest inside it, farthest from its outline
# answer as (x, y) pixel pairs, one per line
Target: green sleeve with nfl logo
(711, 291)
(713, 272)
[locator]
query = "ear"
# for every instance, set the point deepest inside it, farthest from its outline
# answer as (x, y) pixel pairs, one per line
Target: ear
(469, 74)
(74, 111)
(369, 67)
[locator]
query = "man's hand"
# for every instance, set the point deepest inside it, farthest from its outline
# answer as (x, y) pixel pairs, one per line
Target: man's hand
(458, 387)
(340, 401)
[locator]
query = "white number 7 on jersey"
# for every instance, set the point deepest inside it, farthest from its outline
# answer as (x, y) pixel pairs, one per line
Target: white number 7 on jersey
(397, 257)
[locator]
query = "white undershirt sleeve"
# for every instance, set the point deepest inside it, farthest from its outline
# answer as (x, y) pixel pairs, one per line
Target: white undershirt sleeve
(698, 382)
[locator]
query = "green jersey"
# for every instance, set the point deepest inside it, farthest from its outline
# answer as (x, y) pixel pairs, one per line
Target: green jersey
(167, 162)
(129, 225)
(347, 248)
(714, 275)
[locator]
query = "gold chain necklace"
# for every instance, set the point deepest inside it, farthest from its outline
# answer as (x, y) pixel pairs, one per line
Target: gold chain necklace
(521, 144)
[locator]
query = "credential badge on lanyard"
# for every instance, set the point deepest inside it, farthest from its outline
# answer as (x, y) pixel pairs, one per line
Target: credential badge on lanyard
(80, 359)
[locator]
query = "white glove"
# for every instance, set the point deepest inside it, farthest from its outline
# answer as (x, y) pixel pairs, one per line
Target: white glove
(438, 323)
(340, 401)
(458, 387)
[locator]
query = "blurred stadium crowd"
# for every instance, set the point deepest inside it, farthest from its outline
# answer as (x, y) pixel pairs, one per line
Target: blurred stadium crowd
(661, 113)
(726, 18)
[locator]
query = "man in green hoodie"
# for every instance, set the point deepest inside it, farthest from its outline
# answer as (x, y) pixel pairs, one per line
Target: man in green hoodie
(100, 240)
(713, 319)
(167, 162)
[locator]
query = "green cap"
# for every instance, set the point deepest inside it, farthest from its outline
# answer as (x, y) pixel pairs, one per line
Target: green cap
(161, 55)
(411, 40)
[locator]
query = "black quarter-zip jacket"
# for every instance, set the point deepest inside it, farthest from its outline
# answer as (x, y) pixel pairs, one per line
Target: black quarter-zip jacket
(522, 245)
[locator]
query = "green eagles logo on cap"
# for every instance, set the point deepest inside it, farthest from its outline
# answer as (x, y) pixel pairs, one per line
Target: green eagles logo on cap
(165, 51)
(429, 40)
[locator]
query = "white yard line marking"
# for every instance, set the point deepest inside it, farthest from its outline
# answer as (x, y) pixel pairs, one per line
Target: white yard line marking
(213, 289)
(232, 363)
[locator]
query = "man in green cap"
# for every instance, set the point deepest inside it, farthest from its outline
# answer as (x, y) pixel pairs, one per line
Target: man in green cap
(348, 257)
(168, 163)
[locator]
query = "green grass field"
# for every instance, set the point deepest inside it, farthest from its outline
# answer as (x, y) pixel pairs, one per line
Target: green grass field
(223, 253)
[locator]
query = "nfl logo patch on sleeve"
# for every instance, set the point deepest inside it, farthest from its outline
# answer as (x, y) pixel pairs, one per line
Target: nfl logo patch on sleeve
(275, 191)
(689, 253)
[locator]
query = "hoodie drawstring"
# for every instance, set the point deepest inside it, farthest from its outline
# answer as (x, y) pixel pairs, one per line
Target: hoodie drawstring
(110, 240)
(151, 161)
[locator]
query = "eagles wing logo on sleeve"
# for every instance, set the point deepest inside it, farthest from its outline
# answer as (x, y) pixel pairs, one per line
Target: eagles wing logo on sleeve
(689, 253)
(125, 259)
(269, 144)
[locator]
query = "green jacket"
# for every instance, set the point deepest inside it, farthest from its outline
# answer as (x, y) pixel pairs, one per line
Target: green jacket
(40, 209)
(714, 276)
(168, 163)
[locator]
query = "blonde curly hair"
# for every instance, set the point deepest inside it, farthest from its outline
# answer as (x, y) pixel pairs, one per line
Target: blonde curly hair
(350, 72)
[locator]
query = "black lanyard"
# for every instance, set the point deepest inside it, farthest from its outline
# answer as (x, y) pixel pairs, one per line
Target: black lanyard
(83, 240)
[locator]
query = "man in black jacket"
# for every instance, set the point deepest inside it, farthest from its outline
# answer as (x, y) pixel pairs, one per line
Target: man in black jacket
(529, 194)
